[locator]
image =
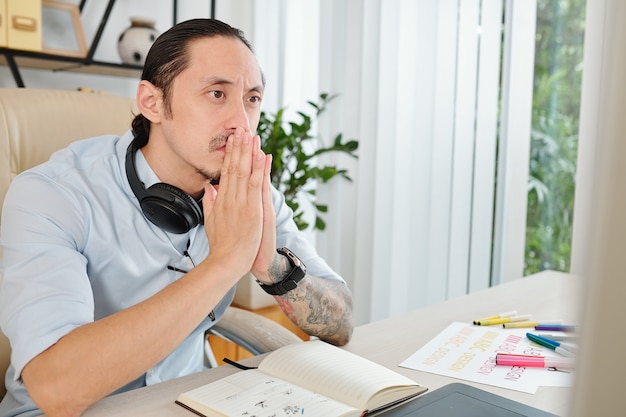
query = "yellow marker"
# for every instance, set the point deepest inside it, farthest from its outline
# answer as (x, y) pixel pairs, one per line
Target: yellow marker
(498, 316)
(524, 317)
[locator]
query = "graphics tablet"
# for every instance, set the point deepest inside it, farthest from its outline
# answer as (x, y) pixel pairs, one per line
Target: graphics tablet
(457, 399)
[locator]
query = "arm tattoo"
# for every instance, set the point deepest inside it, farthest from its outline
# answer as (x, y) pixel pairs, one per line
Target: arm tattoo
(322, 308)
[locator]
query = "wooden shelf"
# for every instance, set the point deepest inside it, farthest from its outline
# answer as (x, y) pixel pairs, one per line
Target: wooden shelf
(37, 60)
(16, 59)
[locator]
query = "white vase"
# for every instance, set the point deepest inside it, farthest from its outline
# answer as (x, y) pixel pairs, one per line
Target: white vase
(135, 41)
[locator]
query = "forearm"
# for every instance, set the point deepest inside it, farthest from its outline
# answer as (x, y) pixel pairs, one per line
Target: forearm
(321, 308)
(97, 358)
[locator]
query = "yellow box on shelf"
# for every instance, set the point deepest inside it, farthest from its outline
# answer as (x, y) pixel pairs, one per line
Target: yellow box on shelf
(23, 24)
(3, 23)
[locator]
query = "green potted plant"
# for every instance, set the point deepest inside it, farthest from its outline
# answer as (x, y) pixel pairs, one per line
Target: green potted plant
(295, 149)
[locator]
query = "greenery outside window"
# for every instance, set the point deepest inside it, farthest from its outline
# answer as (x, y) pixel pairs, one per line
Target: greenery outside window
(554, 137)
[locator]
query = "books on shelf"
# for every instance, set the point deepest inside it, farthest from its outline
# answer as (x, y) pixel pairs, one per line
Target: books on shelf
(310, 378)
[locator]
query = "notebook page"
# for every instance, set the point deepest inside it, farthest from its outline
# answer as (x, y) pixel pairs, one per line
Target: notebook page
(252, 393)
(332, 372)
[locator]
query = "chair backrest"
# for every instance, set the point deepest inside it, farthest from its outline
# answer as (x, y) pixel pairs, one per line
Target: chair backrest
(36, 122)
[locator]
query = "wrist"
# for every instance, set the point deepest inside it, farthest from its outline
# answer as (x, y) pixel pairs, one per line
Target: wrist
(286, 271)
(278, 269)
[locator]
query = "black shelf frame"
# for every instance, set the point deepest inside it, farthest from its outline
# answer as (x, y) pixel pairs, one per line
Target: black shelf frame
(15, 58)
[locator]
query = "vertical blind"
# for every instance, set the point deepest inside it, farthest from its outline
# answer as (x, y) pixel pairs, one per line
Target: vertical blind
(419, 87)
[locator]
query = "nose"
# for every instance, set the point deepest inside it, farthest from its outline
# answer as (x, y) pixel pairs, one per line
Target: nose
(237, 116)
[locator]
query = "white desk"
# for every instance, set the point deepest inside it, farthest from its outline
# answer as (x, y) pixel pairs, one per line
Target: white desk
(390, 341)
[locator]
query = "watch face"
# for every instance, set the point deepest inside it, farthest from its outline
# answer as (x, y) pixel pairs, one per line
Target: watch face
(293, 259)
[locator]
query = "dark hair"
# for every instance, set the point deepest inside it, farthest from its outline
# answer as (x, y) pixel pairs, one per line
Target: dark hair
(168, 57)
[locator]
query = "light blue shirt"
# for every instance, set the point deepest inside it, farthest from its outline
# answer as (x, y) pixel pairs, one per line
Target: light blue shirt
(77, 248)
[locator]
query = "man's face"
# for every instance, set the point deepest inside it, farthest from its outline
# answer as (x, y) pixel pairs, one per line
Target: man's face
(220, 91)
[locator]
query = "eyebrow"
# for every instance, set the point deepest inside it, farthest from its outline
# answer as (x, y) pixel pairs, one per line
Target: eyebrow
(223, 81)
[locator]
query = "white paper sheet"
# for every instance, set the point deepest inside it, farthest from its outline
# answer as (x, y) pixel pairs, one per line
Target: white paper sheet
(468, 352)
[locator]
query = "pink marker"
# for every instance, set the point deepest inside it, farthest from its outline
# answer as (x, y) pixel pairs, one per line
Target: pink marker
(506, 359)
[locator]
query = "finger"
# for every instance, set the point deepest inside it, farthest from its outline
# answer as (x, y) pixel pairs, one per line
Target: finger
(257, 176)
(208, 201)
(269, 216)
(227, 157)
(245, 165)
(268, 173)
(268, 242)
(228, 180)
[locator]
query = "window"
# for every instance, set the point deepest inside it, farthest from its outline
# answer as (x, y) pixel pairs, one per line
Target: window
(554, 134)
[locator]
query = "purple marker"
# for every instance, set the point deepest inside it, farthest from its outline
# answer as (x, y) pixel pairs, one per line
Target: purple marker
(556, 327)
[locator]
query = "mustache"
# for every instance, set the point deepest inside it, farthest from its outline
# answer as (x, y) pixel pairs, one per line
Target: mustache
(215, 143)
(218, 141)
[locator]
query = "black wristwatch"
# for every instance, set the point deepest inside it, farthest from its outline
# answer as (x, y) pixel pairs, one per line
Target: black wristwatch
(298, 271)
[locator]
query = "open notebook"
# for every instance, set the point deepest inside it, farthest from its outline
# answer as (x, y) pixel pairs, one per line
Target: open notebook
(311, 379)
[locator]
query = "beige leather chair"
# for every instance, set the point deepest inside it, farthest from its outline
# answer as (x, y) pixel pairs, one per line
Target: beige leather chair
(36, 122)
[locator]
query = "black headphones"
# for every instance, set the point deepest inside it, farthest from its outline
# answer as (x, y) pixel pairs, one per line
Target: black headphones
(165, 205)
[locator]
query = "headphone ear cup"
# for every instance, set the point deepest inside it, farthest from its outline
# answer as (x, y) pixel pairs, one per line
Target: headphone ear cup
(165, 205)
(171, 208)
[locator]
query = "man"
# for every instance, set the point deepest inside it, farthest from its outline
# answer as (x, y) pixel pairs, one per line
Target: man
(120, 252)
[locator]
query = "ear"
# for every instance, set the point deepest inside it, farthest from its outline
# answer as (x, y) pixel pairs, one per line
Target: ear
(149, 101)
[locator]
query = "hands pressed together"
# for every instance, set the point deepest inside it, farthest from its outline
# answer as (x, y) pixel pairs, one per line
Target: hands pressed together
(240, 221)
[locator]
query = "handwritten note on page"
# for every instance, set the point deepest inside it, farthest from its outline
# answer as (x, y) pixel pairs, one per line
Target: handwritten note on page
(252, 393)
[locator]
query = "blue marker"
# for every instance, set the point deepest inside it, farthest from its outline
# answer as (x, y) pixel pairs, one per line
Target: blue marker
(550, 344)
(567, 346)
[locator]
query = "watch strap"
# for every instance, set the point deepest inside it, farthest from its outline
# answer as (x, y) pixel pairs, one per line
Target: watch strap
(298, 271)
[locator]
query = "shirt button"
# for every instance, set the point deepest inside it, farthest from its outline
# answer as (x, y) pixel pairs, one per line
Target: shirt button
(151, 372)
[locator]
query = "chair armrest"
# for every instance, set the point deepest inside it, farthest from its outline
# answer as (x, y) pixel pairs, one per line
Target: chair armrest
(5, 356)
(252, 331)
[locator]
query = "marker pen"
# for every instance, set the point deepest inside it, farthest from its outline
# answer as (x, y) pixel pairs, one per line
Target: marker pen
(572, 347)
(533, 324)
(567, 346)
(560, 336)
(550, 344)
(524, 317)
(497, 316)
(556, 327)
(505, 359)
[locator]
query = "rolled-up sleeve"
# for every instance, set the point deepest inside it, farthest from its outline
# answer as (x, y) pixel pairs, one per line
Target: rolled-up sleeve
(288, 235)
(45, 291)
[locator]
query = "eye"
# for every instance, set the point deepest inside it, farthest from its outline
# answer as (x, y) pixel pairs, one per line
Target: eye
(216, 94)
(254, 99)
